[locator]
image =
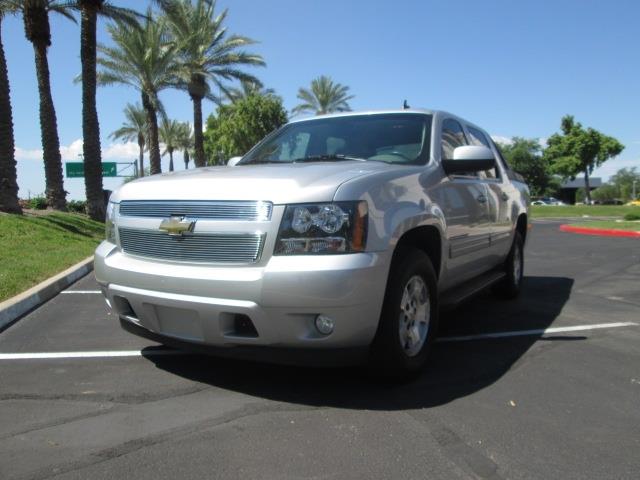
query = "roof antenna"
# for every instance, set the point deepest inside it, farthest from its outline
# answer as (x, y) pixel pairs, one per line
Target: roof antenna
(405, 105)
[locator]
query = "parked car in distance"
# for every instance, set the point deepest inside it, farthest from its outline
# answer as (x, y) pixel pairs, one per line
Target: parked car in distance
(552, 201)
(336, 239)
(539, 202)
(634, 203)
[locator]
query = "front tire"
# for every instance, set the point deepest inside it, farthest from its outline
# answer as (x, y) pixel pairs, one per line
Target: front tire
(409, 320)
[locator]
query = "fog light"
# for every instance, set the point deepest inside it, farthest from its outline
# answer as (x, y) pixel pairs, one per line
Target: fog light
(324, 324)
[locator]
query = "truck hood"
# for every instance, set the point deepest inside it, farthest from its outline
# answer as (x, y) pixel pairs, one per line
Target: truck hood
(289, 183)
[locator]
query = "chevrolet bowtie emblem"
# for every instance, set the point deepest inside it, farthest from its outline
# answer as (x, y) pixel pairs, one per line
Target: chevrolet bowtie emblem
(176, 225)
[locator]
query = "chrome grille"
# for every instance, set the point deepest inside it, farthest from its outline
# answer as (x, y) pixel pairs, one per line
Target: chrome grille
(193, 247)
(215, 210)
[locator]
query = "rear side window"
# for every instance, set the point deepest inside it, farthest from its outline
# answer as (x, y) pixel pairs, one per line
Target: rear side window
(480, 139)
(452, 137)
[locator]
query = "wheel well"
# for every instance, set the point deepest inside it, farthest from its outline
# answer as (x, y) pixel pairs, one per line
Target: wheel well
(521, 226)
(428, 240)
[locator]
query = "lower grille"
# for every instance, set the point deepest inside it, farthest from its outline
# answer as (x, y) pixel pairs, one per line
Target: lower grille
(194, 247)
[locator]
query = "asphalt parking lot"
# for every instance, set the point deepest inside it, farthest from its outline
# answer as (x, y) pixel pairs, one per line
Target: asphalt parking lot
(554, 393)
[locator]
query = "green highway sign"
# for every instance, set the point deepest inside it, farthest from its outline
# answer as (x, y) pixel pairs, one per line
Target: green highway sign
(76, 169)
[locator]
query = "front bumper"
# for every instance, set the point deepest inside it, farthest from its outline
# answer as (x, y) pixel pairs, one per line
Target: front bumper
(198, 304)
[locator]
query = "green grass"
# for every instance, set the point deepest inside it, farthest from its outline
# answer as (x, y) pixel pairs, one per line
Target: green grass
(33, 247)
(548, 211)
(609, 224)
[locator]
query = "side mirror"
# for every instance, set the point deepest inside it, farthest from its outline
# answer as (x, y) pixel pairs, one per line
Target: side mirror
(470, 158)
(233, 161)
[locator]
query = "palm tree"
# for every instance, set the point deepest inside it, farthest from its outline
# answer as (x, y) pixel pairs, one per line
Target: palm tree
(185, 142)
(8, 176)
(134, 129)
(89, 12)
(35, 14)
(207, 56)
(169, 132)
(248, 88)
(143, 58)
(323, 97)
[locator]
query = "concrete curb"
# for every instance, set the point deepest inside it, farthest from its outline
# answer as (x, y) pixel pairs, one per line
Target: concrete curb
(16, 307)
(604, 232)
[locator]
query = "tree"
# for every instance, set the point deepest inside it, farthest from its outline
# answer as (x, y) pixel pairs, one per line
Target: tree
(248, 88)
(323, 97)
(185, 142)
(170, 131)
(134, 129)
(143, 58)
(619, 186)
(525, 157)
(239, 126)
(624, 180)
(579, 150)
(89, 12)
(207, 56)
(35, 14)
(8, 175)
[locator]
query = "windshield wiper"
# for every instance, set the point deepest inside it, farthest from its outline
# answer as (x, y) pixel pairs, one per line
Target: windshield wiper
(328, 158)
(261, 160)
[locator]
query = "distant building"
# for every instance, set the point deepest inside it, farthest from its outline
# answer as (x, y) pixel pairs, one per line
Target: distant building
(569, 188)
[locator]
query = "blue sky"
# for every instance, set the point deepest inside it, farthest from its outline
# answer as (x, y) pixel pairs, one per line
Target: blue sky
(514, 68)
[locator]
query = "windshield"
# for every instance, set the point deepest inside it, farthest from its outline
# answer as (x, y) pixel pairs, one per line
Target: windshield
(391, 138)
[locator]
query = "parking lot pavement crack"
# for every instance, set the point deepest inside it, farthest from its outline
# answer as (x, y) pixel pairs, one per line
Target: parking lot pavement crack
(474, 462)
(59, 421)
(173, 434)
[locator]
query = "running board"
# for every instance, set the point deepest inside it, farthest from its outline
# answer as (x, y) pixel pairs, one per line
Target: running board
(457, 295)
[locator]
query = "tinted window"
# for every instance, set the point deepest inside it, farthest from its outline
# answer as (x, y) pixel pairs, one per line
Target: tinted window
(479, 138)
(452, 137)
(392, 138)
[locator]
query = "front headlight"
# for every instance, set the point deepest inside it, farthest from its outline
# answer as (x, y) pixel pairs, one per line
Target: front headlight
(324, 228)
(109, 222)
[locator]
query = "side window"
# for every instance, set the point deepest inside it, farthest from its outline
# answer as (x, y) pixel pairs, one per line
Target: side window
(452, 137)
(479, 138)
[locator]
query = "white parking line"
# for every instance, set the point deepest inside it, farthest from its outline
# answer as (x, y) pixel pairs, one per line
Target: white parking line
(541, 331)
(151, 353)
(81, 291)
(108, 354)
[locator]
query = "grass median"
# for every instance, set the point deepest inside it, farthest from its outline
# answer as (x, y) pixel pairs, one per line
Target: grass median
(568, 211)
(38, 245)
(609, 225)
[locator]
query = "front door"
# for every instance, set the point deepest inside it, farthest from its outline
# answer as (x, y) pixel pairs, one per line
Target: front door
(464, 199)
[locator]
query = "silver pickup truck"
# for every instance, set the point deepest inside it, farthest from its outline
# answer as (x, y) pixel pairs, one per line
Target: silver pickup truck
(336, 239)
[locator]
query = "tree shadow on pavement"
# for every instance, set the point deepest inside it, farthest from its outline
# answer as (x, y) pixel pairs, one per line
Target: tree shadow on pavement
(455, 369)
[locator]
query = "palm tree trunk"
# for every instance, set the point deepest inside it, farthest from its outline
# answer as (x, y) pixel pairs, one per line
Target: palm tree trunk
(8, 176)
(186, 159)
(197, 134)
(141, 156)
(171, 160)
(587, 187)
(154, 144)
(56, 196)
(90, 125)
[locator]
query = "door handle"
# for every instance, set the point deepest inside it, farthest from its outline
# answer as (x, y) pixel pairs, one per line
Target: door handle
(481, 198)
(505, 197)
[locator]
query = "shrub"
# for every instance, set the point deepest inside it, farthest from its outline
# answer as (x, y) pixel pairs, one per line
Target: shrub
(77, 206)
(632, 216)
(38, 203)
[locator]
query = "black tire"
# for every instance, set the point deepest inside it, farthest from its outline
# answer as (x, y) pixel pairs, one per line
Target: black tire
(388, 357)
(511, 284)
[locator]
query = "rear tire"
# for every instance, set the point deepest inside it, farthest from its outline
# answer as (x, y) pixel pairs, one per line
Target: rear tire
(511, 284)
(409, 319)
